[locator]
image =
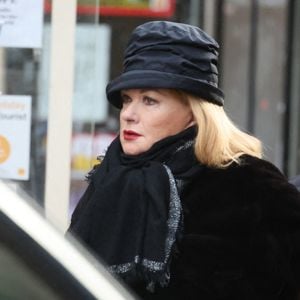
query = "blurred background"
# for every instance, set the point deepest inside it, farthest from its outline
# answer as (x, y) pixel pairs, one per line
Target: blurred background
(259, 73)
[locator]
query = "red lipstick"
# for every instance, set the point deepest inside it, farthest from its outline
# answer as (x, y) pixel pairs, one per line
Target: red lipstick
(130, 135)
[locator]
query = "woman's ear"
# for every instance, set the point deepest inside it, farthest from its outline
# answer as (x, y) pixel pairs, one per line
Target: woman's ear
(191, 122)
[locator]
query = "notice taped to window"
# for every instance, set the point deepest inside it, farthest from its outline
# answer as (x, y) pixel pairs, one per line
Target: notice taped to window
(15, 121)
(21, 23)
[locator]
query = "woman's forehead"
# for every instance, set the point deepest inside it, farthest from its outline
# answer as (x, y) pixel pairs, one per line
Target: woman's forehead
(162, 91)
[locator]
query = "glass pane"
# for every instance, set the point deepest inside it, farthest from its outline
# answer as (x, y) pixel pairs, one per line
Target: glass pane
(270, 69)
(93, 127)
(270, 77)
(235, 59)
(20, 71)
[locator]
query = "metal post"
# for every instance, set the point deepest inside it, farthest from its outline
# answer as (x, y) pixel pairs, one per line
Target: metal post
(293, 156)
(220, 24)
(2, 71)
(287, 85)
(252, 66)
(58, 160)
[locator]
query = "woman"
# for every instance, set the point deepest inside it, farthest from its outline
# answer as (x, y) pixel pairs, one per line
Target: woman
(183, 206)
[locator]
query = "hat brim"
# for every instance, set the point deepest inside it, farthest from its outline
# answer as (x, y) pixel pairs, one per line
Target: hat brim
(156, 79)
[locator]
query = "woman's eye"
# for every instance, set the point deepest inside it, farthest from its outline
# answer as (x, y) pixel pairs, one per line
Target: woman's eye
(149, 101)
(125, 99)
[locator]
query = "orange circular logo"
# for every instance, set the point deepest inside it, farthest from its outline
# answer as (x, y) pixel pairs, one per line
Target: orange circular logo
(4, 149)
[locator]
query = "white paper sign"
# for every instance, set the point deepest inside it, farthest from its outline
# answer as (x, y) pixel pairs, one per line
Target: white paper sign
(21, 23)
(15, 120)
(91, 73)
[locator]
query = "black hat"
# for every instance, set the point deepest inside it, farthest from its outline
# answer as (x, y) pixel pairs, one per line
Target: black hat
(162, 54)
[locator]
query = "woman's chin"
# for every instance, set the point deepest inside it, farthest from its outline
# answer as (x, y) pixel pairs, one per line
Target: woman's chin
(132, 148)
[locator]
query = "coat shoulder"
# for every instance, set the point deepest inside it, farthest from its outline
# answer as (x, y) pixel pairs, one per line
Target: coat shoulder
(241, 234)
(253, 191)
(253, 175)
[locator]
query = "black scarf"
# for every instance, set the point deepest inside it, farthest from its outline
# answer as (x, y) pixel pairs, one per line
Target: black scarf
(132, 215)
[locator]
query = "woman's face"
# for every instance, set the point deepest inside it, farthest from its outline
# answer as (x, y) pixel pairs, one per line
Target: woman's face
(149, 115)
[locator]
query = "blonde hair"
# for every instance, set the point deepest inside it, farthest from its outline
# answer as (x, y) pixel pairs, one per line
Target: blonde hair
(219, 142)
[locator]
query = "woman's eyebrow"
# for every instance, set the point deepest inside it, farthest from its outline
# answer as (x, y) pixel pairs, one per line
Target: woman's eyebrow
(146, 90)
(152, 90)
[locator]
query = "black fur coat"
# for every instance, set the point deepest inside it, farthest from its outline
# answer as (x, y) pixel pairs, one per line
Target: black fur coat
(241, 237)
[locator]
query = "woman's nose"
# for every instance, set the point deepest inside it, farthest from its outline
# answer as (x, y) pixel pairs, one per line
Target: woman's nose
(129, 112)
